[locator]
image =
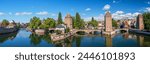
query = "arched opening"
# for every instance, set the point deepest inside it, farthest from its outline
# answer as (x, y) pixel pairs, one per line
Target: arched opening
(96, 32)
(123, 31)
(51, 31)
(81, 32)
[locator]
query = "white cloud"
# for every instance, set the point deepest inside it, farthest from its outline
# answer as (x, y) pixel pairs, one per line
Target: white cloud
(53, 14)
(1, 13)
(98, 18)
(119, 12)
(121, 15)
(136, 14)
(106, 7)
(42, 13)
(87, 9)
(23, 13)
(148, 9)
(114, 1)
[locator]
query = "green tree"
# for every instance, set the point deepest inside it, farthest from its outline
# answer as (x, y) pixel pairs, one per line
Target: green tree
(79, 23)
(146, 18)
(5, 23)
(35, 22)
(93, 22)
(60, 18)
(74, 22)
(67, 30)
(114, 23)
(48, 23)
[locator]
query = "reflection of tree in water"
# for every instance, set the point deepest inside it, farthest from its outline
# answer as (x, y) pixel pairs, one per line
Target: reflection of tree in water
(47, 38)
(36, 39)
(78, 40)
(68, 41)
(146, 41)
(6, 37)
(143, 40)
(64, 43)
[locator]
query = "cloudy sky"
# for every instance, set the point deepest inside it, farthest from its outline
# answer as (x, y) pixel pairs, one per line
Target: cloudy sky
(23, 10)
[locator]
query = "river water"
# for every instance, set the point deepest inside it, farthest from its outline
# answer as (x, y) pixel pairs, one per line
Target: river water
(24, 38)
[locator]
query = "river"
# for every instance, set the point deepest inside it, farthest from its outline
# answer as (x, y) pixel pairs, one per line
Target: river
(24, 38)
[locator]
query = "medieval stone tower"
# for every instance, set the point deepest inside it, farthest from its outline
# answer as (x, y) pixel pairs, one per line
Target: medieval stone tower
(139, 23)
(108, 22)
(68, 21)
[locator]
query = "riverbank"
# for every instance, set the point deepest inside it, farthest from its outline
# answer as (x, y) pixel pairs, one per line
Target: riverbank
(55, 37)
(7, 30)
(139, 32)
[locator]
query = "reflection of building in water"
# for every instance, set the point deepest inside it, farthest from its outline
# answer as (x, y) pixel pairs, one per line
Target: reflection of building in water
(140, 39)
(126, 35)
(6, 37)
(108, 41)
(64, 43)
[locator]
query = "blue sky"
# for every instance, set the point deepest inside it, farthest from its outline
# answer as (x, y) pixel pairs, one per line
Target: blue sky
(23, 10)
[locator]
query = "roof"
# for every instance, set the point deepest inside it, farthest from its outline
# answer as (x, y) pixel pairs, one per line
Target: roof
(61, 26)
(68, 16)
(108, 13)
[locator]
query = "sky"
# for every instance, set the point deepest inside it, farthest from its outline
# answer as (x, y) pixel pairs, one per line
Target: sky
(23, 10)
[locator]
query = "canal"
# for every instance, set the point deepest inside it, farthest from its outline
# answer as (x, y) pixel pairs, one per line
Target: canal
(24, 38)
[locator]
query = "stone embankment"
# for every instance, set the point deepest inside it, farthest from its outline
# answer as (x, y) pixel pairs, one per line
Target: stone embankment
(139, 32)
(7, 30)
(56, 37)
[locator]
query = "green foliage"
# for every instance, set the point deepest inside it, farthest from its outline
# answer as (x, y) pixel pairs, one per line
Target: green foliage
(74, 22)
(93, 22)
(48, 23)
(60, 19)
(5, 23)
(35, 22)
(67, 30)
(146, 17)
(58, 31)
(78, 22)
(114, 23)
(35, 39)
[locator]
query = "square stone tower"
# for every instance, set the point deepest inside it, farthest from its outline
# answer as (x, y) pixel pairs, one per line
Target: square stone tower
(68, 21)
(139, 23)
(108, 22)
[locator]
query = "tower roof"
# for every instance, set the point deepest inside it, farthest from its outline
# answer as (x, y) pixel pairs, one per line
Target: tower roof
(140, 15)
(108, 13)
(68, 16)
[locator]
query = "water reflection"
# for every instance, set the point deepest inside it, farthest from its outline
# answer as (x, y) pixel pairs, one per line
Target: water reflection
(6, 37)
(35, 39)
(24, 38)
(108, 41)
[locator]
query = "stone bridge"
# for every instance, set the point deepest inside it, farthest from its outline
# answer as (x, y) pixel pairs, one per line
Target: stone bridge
(122, 29)
(87, 30)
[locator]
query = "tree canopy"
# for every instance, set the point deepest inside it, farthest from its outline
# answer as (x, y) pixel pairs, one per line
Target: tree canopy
(60, 21)
(35, 22)
(78, 23)
(5, 23)
(93, 22)
(48, 23)
(146, 18)
(114, 23)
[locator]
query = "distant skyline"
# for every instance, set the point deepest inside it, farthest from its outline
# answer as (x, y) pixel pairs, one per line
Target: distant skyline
(23, 10)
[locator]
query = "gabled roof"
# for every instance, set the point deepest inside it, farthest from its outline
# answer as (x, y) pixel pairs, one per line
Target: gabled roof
(61, 26)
